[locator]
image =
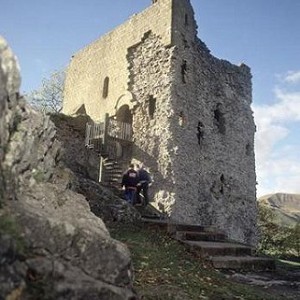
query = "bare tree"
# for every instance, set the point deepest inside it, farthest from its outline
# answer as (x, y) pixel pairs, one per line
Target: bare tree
(49, 97)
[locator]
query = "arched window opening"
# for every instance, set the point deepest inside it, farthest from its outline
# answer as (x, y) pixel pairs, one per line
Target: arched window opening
(186, 20)
(223, 183)
(248, 149)
(182, 119)
(105, 87)
(151, 107)
(185, 43)
(183, 71)
(222, 178)
(219, 119)
(200, 132)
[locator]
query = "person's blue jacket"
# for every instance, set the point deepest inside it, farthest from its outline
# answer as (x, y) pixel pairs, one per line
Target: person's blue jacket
(144, 176)
(130, 178)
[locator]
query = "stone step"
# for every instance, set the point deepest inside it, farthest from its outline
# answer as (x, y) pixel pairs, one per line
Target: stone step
(174, 227)
(165, 223)
(200, 236)
(151, 217)
(247, 263)
(206, 249)
(155, 223)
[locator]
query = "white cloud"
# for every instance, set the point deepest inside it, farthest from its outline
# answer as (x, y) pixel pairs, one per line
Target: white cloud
(278, 174)
(277, 163)
(292, 77)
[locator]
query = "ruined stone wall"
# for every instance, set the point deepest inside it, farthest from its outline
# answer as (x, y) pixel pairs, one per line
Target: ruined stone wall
(215, 170)
(106, 57)
(150, 83)
(213, 136)
(204, 172)
(193, 125)
(184, 26)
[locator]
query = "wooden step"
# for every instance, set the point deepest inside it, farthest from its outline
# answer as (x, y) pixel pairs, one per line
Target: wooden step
(114, 174)
(115, 185)
(247, 263)
(206, 249)
(112, 168)
(200, 236)
(109, 165)
(113, 179)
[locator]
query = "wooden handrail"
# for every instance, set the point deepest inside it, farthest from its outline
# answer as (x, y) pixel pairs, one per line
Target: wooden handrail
(119, 130)
(93, 132)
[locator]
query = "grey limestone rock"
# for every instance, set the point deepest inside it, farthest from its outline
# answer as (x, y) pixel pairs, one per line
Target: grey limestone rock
(51, 245)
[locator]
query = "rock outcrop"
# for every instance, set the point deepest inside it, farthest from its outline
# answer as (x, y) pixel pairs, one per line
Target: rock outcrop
(51, 245)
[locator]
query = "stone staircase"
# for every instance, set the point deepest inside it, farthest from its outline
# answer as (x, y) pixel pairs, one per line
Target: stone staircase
(209, 243)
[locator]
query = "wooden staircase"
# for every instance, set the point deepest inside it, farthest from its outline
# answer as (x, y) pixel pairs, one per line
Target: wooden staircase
(109, 139)
(113, 172)
(210, 244)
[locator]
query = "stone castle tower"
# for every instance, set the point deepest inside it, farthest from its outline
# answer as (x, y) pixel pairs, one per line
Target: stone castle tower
(190, 113)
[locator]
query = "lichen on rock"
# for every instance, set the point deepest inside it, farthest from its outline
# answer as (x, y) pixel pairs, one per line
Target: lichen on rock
(51, 245)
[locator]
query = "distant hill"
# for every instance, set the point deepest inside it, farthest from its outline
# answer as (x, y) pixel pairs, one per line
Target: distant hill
(285, 206)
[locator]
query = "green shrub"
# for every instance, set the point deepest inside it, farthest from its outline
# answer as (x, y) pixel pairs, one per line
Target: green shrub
(275, 239)
(38, 176)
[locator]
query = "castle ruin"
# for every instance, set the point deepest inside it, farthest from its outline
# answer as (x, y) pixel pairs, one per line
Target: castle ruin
(192, 124)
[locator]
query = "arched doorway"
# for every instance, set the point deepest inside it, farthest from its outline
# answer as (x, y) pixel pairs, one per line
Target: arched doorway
(124, 114)
(123, 132)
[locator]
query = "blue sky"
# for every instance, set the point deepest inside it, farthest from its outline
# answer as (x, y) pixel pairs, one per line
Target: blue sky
(264, 34)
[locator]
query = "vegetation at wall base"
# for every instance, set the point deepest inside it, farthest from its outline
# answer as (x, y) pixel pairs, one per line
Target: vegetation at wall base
(277, 240)
(164, 269)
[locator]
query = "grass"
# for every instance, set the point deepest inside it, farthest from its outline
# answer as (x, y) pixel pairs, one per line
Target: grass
(8, 225)
(164, 269)
(38, 176)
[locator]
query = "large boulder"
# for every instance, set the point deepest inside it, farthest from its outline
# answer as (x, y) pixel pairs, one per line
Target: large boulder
(51, 245)
(9, 88)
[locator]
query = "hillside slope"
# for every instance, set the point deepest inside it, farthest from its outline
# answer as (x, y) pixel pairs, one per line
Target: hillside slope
(285, 206)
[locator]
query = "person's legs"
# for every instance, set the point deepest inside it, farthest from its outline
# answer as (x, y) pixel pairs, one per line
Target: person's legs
(138, 196)
(132, 196)
(127, 195)
(145, 194)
